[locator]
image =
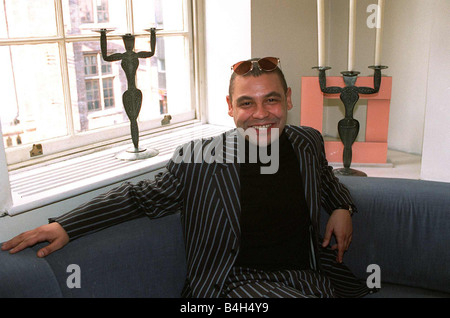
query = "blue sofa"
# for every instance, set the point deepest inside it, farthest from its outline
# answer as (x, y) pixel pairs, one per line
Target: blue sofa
(403, 226)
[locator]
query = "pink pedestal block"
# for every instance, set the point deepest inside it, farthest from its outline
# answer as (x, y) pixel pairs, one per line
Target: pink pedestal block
(374, 148)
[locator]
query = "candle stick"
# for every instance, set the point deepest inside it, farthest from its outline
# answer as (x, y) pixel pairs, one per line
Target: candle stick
(351, 35)
(321, 31)
(378, 42)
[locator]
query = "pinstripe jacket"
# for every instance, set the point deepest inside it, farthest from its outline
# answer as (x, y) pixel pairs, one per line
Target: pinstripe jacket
(207, 192)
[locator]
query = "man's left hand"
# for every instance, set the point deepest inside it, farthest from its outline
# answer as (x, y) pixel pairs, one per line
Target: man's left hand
(339, 224)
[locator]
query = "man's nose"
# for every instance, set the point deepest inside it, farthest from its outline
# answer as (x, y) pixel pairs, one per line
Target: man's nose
(260, 112)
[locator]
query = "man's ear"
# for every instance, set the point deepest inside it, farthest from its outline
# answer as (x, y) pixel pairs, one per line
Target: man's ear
(230, 106)
(289, 99)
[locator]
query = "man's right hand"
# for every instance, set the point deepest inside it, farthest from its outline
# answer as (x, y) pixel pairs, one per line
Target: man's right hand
(53, 233)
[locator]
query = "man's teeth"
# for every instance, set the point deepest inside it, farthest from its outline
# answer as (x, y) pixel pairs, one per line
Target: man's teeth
(262, 126)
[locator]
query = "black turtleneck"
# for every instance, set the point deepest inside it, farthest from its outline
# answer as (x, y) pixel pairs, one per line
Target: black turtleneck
(274, 214)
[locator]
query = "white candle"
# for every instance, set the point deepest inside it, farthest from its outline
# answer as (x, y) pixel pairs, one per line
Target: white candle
(321, 31)
(351, 35)
(378, 42)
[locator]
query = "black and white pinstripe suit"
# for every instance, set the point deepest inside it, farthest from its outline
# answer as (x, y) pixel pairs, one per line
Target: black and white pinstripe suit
(208, 196)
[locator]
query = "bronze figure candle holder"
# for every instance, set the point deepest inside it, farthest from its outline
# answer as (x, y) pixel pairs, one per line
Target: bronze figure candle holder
(132, 97)
(348, 127)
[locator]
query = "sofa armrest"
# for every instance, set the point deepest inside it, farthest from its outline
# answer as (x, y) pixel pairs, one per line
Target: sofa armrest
(138, 258)
(25, 275)
(404, 227)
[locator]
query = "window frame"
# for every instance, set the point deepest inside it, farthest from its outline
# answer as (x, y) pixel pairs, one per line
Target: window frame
(19, 156)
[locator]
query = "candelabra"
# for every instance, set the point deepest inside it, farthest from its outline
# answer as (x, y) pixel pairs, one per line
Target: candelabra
(348, 127)
(132, 97)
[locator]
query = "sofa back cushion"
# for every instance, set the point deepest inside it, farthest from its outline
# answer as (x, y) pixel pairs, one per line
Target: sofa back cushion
(403, 226)
(138, 258)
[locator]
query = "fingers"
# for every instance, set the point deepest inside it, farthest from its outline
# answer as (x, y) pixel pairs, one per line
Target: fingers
(343, 244)
(53, 246)
(339, 225)
(327, 238)
(19, 242)
(52, 233)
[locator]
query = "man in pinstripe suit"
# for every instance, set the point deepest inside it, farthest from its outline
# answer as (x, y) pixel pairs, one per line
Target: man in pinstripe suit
(247, 234)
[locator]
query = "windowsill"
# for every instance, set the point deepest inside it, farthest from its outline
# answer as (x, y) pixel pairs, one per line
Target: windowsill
(64, 178)
(63, 148)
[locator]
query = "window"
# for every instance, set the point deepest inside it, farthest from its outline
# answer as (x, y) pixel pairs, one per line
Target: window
(59, 92)
(95, 78)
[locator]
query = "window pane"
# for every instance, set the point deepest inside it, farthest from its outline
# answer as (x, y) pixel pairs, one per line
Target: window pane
(165, 89)
(102, 11)
(33, 101)
(34, 87)
(92, 95)
(106, 67)
(108, 92)
(164, 14)
(84, 16)
(90, 64)
(25, 18)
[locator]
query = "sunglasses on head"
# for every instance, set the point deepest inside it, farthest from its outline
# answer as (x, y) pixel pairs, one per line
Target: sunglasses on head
(267, 64)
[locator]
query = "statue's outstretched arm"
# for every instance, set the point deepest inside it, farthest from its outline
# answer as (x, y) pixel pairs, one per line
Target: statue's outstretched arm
(323, 85)
(104, 46)
(376, 84)
(145, 54)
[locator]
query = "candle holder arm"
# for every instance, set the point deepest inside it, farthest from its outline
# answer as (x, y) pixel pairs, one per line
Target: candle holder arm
(323, 82)
(104, 47)
(376, 81)
(146, 54)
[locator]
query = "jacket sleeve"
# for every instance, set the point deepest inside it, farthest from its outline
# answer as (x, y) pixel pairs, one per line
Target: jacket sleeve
(155, 198)
(334, 194)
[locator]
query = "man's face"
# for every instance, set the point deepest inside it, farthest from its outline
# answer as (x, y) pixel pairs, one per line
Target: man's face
(259, 103)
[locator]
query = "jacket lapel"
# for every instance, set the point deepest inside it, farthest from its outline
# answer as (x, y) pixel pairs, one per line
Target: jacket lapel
(307, 169)
(303, 150)
(226, 179)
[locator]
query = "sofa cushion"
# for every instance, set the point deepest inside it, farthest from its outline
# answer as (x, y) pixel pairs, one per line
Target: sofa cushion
(25, 275)
(138, 258)
(404, 227)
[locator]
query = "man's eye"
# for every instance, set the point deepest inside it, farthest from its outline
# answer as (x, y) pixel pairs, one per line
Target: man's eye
(245, 104)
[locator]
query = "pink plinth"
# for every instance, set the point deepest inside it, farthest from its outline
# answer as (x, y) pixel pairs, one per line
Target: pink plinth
(374, 148)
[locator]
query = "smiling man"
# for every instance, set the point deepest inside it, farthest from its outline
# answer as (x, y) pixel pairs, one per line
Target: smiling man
(279, 212)
(260, 102)
(247, 233)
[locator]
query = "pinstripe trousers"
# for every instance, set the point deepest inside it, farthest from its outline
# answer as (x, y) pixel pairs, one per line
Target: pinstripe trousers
(334, 281)
(253, 283)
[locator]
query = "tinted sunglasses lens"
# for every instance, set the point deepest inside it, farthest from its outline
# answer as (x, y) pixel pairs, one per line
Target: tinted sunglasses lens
(242, 68)
(268, 63)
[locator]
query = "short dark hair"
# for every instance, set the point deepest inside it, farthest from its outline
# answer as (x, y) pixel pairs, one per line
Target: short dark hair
(255, 72)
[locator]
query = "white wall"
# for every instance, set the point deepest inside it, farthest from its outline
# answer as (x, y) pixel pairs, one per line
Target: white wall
(287, 29)
(406, 51)
(436, 142)
(415, 48)
(227, 41)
